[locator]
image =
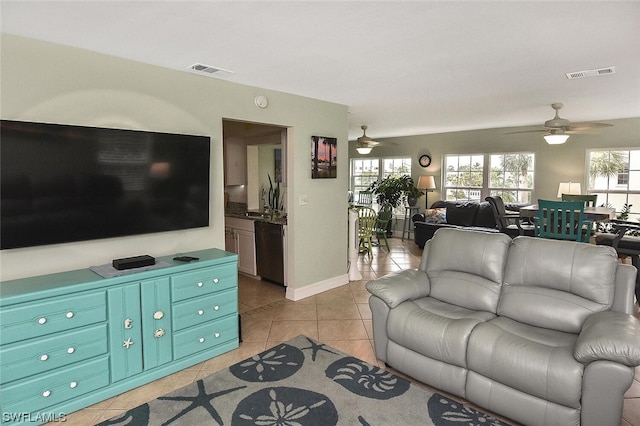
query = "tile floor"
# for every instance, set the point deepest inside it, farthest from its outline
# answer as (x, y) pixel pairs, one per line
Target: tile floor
(340, 317)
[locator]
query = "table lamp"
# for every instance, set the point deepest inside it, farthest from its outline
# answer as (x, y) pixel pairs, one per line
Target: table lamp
(569, 188)
(427, 183)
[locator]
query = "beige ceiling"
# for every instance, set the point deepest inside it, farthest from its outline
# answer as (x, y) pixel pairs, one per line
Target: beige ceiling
(402, 68)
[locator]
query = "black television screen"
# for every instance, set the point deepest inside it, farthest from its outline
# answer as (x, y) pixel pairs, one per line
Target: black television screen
(62, 183)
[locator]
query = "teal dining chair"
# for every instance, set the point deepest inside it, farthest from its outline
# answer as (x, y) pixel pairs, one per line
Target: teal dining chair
(589, 200)
(561, 220)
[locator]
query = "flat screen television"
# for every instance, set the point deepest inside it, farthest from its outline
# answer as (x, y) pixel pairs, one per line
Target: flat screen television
(62, 183)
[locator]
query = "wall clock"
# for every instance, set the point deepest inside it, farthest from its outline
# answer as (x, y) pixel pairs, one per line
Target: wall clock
(424, 160)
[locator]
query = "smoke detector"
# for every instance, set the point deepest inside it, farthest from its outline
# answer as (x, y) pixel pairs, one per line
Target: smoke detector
(209, 70)
(591, 73)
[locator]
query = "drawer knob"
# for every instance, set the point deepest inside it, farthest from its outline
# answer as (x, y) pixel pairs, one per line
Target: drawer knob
(71, 350)
(158, 315)
(128, 323)
(44, 357)
(200, 284)
(72, 385)
(201, 340)
(217, 335)
(46, 393)
(42, 320)
(216, 280)
(200, 312)
(158, 333)
(70, 314)
(216, 308)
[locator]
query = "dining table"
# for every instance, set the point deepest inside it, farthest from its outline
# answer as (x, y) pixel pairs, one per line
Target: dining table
(595, 214)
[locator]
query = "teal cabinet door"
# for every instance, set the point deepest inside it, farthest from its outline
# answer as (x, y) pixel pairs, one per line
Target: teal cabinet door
(156, 322)
(125, 331)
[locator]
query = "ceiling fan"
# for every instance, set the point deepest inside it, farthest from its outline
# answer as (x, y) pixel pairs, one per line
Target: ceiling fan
(557, 130)
(365, 144)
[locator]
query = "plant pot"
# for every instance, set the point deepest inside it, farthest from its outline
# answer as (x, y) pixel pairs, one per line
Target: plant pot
(412, 201)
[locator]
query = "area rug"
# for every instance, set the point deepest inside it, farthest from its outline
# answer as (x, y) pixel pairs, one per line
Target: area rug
(302, 383)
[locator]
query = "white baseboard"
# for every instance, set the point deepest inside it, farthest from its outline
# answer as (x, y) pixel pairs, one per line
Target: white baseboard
(296, 294)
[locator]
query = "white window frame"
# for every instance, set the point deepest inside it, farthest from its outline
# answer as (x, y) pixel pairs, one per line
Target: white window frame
(610, 190)
(383, 171)
(484, 188)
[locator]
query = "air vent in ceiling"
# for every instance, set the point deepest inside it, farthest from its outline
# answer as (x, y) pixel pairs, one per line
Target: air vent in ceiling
(209, 70)
(591, 73)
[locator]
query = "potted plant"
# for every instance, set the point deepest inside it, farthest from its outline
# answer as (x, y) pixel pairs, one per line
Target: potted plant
(394, 190)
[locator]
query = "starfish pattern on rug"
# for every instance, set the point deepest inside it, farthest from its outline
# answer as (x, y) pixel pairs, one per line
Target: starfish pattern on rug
(317, 347)
(203, 399)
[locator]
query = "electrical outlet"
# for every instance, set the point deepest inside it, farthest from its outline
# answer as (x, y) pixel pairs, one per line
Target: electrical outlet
(304, 200)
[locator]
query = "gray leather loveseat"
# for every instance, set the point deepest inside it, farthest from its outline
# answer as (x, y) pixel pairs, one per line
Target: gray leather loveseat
(536, 330)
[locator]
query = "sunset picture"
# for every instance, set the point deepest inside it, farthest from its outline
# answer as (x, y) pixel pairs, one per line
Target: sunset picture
(323, 157)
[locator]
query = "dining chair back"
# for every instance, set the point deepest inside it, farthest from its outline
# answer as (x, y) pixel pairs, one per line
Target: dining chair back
(561, 220)
(380, 229)
(365, 198)
(589, 200)
(366, 222)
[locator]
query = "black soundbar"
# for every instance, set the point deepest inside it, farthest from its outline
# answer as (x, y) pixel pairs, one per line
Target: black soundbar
(133, 262)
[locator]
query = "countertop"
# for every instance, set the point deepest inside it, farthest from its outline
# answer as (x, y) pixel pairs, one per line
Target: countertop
(250, 215)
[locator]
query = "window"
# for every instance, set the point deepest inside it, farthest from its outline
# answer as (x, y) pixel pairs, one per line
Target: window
(614, 175)
(509, 175)
(366, 171)
(464, 177)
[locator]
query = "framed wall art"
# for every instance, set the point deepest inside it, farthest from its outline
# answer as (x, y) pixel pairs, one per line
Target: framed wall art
(324, 159)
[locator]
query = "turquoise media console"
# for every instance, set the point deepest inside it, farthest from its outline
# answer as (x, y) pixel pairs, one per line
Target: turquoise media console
(72, 339)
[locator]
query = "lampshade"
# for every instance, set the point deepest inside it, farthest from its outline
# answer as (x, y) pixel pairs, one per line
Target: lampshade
(556, 139)
(569, 188)
(426, 182)
(364, 150)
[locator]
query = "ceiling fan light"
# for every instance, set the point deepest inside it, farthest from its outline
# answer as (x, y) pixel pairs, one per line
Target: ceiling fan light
(364, 150)
(556, 139)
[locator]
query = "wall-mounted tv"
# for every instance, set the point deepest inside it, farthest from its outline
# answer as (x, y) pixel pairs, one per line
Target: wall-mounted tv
(62, 183)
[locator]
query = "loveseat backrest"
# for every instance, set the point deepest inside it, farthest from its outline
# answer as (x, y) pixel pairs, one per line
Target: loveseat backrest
(466, 268)
(557, 284)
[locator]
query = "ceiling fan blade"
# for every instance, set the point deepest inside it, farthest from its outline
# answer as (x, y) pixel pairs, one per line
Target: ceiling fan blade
(587, 126)
(526, 131)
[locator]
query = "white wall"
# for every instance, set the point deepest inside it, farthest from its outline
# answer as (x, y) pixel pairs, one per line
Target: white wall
(56, 84)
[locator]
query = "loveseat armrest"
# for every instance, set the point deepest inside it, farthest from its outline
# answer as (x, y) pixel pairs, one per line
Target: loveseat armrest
(609, 335)
(398, 287)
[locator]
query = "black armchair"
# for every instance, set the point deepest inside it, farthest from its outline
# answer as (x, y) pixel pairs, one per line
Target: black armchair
(512, 224)
(625, 245)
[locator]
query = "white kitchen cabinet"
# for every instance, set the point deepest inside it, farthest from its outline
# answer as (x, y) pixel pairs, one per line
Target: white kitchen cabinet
(240, 238)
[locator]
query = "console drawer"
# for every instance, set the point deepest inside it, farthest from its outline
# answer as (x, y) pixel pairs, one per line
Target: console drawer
(203, 281)
(47, 353)
(205, 336)
(45, 317)
(53, 388)
(203, 309)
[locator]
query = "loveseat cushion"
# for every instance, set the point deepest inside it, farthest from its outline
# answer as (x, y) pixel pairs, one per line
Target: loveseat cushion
(434, 328)
(465, 268)
(484, 216)
(462, 214)
(530, 359)
(557, 284)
